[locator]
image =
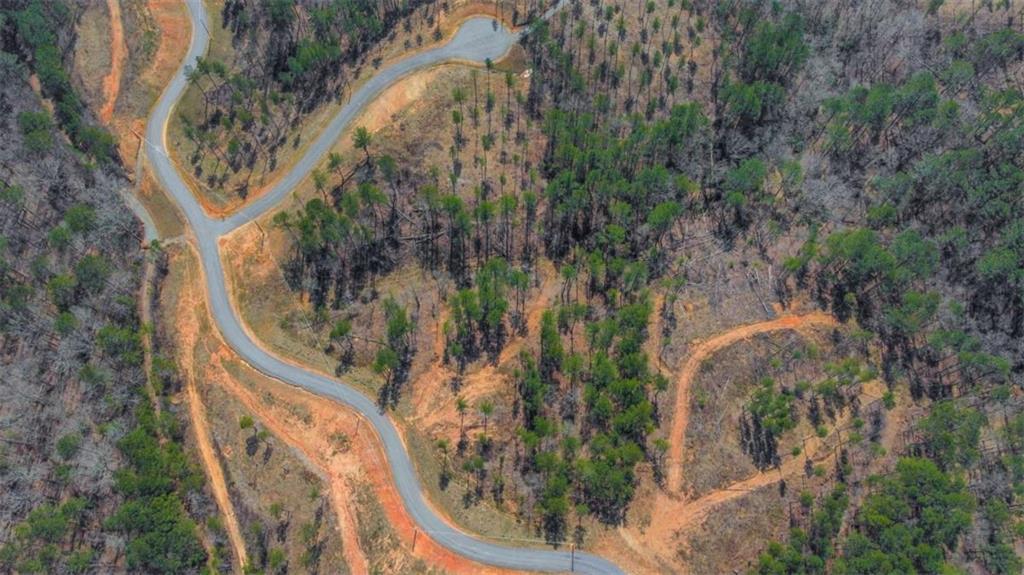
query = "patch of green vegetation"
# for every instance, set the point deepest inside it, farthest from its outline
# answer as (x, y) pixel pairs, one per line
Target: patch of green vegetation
(909, 522)
(34, 545)
(161, 536)
(807, 551)
(36, 128)
(36, 26)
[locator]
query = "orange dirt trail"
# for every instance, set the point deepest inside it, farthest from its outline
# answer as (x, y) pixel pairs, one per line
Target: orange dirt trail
(214, 472)
(364, 460)
(187, 333)
(340, 496)
(703, 350)
(112, 82)
(171, 19)
(672, 516)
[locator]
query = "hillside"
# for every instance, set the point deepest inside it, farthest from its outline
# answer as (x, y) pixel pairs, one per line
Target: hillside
(94, 477)
(673, 286)
(518, 264)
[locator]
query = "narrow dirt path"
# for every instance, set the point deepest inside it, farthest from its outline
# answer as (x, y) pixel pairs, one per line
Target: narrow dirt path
(340, 496)
(703, 350)
(365, 460)
(692, 513)
(672, 516)
(112, 81)
(186, 333)
(169, 19)
(146, 317)
(214, 472)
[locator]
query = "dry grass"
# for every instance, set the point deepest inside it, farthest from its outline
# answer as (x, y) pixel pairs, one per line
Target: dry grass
(258, 473)
(275, 314)
(279, 319)
(92, 55)
(214, 471)
(411, 121)
(157, 34)
(168, 220)
(662, 523)
(286, 323)
(123, 65)
(481, 518)
(178, 296)
(264, 474)
(696, 361)
(112, 81)
(724, 542)
(719, 392)
(309, 425)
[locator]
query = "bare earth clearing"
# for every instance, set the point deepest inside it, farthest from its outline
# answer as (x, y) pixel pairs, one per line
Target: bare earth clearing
(112, 82)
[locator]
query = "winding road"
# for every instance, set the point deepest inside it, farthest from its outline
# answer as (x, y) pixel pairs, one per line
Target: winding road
(477, 39)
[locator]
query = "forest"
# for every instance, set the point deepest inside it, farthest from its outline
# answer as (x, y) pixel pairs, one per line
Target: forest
(94, 475)
(889, 195)
(289, 60)
(860, 158)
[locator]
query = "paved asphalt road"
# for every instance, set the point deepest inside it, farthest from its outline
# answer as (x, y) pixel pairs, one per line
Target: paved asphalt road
(476, 40)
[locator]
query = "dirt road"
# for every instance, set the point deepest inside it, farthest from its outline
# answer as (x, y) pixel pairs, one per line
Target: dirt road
(112, 81)
(188, 330)
(214, 472)
(701, 352)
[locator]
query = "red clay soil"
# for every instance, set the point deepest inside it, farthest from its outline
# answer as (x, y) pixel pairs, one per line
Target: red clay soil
(673, 516)
(363, 460)
(341, 498)
(703, 350)
(434, 404)
(187, 331)
(214, 473)
(672, 513)
(112, 82)
(171, 18)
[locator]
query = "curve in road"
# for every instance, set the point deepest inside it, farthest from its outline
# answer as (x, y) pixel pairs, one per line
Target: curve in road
(477, 40)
